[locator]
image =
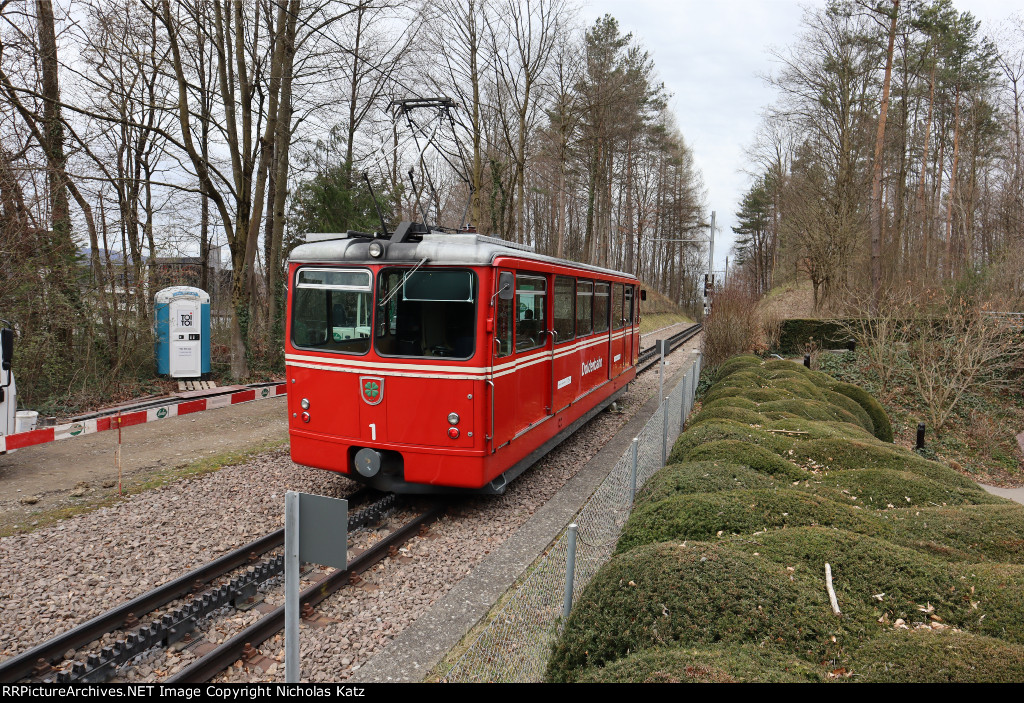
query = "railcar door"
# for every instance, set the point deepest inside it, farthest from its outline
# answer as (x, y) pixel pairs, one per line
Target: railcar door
(632, 332)
(602, 326)
(533, 351)
(619, 331)
(563, 319)
(503, 382)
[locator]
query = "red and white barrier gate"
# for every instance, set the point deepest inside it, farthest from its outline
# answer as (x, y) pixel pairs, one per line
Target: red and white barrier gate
(137, 417)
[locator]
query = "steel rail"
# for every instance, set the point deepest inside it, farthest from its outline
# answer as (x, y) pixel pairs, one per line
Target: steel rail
(219, 659)
(647, 357)
(52, 651)
(22, 665)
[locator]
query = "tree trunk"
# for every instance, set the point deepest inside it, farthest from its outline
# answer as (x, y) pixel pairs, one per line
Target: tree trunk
(876, 180)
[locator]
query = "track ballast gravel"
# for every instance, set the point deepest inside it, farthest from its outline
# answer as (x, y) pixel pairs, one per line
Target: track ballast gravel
(60, 576)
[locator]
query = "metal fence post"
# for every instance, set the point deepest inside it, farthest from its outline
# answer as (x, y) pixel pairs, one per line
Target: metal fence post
(570, 572)
(664, 430)
(291, 583)
(684, 397)
(661, 370)
(634, 457)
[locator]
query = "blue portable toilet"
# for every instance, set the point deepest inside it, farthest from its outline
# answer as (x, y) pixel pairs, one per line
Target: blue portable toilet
(182, 332)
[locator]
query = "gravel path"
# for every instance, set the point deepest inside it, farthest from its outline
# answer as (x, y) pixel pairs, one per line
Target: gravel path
(60, 576)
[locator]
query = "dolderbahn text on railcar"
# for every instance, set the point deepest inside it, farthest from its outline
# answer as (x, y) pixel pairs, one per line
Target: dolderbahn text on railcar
(434, 362)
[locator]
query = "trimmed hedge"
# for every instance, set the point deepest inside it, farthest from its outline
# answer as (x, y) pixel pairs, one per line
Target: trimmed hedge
(926, 656)
(874, 409)
(718, 574)
(707, 664)
(840, 454)
(739, 452)
(694, 595)
(968, 533)
(882, 489)
(797, 333)
(703, 477)
(706, 516)
(996, 595)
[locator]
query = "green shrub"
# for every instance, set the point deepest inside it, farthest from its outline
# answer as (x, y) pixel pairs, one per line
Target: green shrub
(704, 516)
(722, 412)
(802, 429)
(996, 596)
(927, 656)
(714, 430)
(702, 477)
(840, 454)
(785, 365)
(731, 401)
(812, 410)
(799, 387)
(883, 428)
(885, 488)
(668, 594)
(707, 664)
(786, 368)
(820, 379)
(734, 364)
(757, 458)
(851, 406)
(962, 533)
(874, 579)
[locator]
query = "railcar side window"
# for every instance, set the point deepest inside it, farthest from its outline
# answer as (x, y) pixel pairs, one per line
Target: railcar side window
(627, 306)
(584, 301)
(531, 311)
(331, 310)
(618, 319)
(564, 319)
(600, 307)
(504, 329)
(426, 312)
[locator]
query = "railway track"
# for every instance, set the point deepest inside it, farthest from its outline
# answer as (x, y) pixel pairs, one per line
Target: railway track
(144, 623)
(649, 357)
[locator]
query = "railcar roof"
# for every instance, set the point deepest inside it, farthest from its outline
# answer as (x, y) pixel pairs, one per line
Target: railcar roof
(437, 248)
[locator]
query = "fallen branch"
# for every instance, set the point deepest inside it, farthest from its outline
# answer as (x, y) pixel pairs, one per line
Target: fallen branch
(831, 591)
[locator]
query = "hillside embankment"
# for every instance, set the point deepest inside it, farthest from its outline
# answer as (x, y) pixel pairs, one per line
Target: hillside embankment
(784, 489)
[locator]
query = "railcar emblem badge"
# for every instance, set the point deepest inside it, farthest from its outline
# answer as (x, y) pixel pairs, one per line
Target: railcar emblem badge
(372, 389)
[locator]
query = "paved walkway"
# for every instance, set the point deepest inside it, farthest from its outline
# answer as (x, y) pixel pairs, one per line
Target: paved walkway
(1016, 494)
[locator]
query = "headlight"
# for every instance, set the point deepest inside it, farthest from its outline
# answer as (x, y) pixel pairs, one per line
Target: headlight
(376, 249)
(453, 418)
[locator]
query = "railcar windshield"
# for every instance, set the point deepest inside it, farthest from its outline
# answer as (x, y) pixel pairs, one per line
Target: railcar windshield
(426, 312)
(331, 310)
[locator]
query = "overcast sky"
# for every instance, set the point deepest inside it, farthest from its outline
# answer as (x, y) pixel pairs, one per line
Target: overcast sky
(711, 56)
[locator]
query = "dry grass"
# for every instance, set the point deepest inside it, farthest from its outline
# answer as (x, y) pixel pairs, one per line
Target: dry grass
(733, 327)
(790, 300)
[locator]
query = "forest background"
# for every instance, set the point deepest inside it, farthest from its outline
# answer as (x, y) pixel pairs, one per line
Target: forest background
(150, 143)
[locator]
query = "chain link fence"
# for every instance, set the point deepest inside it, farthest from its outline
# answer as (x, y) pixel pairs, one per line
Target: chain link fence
(515, 645)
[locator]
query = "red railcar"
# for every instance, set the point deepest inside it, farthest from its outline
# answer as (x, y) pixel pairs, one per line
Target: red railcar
(446, 362)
